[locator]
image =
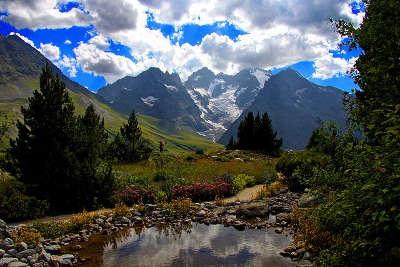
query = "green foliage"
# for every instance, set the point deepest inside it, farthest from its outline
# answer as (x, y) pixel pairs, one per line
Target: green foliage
(15, 205)
(298, 167)
(57, 155)
(256, 133)
(128, 145)
(242, 181)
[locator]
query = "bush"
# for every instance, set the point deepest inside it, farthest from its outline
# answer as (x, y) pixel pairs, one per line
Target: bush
(180, 207)
(202, 191)
(242, 181)
(15, 205)
(26, 234)
(162, 176)
(298, 167)
(161, 196)
(134, 195)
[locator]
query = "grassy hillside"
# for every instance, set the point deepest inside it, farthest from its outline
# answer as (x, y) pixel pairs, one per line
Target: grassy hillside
(153, 129)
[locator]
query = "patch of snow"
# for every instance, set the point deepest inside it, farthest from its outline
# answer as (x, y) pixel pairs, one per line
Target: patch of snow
(171, 88)
(127, 89)
(261, 75)
(225, 105)
(150, 100)
(197, 78)
(214, 84)
(111, 102)
(201, 91)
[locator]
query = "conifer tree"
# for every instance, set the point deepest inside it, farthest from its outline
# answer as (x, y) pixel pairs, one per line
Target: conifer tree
(231, 144)
(42, 156)
(94, 179)
(128, 145)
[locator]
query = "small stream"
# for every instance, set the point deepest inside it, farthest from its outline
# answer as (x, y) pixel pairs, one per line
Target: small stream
(188, 244)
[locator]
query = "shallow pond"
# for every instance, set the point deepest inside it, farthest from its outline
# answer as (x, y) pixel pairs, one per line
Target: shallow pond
(187, 245)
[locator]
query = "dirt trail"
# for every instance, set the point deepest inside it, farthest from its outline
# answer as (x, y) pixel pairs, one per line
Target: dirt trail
(247, 194)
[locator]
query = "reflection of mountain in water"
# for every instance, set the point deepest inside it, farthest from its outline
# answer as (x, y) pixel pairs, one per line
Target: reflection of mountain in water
(202, 245)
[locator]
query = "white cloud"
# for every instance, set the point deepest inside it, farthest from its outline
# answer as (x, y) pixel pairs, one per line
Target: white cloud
(279, 33)
(50, 51)
(67, 42)
(69, 64)
(100, 42)
(96, 61)
(42, 14)
(328, 66)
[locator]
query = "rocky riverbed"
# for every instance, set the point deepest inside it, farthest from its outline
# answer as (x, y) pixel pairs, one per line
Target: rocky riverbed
(257, 214)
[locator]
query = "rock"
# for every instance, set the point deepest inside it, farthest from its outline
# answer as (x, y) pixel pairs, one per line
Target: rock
(278, 230)
(52, 249)
(239, 226)
(12, 252)
(283, 217)
(7, 243)
(284, 254)
(2, 252)
(21, 246)
(45, 256)
(3, 224)
(149, 207)
(201, 213)
(67, 257)
(125, 220)
(99, 221)
(17, 264)
(252, 210)
(4, 262)
(25, 253)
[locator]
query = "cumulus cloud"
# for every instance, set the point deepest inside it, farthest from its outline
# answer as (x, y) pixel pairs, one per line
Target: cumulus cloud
(328, 66)
(279, 33)
(41, 14)
(50, 51)
(98, 62)
(68, 64)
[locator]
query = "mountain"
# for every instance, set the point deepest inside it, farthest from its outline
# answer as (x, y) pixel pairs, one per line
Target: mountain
(296, 107)
(20, 68)
(221, 98)
(155, 93)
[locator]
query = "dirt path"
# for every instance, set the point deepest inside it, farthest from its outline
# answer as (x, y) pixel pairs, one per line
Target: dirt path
(245, 195)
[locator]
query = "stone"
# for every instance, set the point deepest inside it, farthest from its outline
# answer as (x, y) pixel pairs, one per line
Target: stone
(278, 230)
(21, 246)
(12, 252)
(4, 262)
(99, 221)
(201, 213)
(307, 200)
(252, 210)
(2, 252)
(45, 256)
(26, 253)
(67, 257)
(283, 217)
(52, 248)
(125, 220)
(17, 264)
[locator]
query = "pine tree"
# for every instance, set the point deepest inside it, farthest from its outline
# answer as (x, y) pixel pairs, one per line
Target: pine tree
(128, 145)
(94, 179)
(42, 156)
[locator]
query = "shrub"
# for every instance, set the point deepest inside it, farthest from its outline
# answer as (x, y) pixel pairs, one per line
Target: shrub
(162, 176)
(49, 229)
(131, 195)
(298, 167)
(25, 234)
(202, 191)
(242, 181)
(178, 207)
(199, 151)
(15, 205)
(161, 196)
(121, 210)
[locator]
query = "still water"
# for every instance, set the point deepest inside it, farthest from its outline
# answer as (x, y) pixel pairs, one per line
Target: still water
(188, 245)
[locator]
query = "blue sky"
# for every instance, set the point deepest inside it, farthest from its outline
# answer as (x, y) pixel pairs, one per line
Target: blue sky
(181, 42)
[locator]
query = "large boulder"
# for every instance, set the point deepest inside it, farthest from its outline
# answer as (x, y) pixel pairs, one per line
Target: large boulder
(252, 210)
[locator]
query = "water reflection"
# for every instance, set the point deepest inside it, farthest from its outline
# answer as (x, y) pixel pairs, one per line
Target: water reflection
(190, 245)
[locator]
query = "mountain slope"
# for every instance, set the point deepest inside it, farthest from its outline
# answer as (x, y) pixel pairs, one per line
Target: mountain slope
(221, 98)
(296, 106)
(20, 67)
(157, 94)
